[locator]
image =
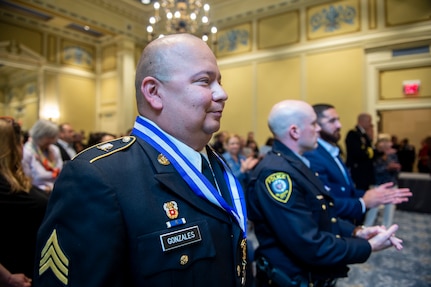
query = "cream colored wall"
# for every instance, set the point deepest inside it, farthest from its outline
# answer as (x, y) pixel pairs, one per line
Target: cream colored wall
(238, 114)
(253, 90)
(337, 78)
(334, 77)
(276, 80)
(77, 101)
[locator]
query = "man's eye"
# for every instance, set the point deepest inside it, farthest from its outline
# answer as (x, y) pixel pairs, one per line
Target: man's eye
(204, 80)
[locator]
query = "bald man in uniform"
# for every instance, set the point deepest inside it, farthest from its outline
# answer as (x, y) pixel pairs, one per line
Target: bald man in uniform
(301, 240)
(138, 211)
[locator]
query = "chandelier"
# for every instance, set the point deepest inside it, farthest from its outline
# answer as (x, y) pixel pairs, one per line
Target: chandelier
(181, 16)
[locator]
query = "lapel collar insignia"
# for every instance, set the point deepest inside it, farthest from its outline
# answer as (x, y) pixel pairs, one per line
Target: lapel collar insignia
(163, 160)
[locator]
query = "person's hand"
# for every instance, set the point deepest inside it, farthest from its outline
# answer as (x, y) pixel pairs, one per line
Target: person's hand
(248, 164)
(18, 280)
(394, 166)
(385, 194)
(383, 238)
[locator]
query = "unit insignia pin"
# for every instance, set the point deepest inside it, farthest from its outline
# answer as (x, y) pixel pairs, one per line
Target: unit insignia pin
(163, 160)
(125, 139)
(171, 209)
(105, 147)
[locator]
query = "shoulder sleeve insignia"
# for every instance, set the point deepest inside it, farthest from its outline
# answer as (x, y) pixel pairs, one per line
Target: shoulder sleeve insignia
(279, 186)
(52, 257)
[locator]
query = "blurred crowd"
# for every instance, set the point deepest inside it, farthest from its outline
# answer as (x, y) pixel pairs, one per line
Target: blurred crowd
(31, 162)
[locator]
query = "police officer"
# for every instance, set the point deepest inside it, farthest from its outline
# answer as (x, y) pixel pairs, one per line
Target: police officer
(301, 242)
(137, 211)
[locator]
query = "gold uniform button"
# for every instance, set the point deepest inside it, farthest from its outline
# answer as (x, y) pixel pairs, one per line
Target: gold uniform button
(184, 259)
(316, 174)
(323, 207)
(338, 236)
(331, 203)
(333, 220)
(238, 270)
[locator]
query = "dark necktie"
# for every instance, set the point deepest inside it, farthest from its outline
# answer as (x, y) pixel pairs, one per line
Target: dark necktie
(207, 172)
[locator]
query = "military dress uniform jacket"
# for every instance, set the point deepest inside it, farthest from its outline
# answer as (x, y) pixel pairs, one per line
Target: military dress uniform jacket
(346, 197)
(120, 215)
(295, 221)
(359, 159)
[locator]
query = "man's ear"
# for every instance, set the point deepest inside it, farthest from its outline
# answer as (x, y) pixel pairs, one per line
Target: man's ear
(150, 88)
(294, 132)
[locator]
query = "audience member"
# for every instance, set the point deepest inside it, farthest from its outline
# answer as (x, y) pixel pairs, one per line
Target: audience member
(360, 152)
(252, 145)
(65, 141)
(406, 155)
(22, 207)
(351, 203)
(301, 241)
(424, 156)
(239, 164)
(219, 141)
(386, 169)
(263, 150)
(139, 209)
(78, 141)
(42, 159)
(99, 137)
(395, 143)
(8, 279)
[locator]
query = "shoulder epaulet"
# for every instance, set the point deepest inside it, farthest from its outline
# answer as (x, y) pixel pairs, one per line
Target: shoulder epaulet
(105, 149)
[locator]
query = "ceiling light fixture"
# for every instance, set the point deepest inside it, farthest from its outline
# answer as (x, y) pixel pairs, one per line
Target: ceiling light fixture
(181, 16)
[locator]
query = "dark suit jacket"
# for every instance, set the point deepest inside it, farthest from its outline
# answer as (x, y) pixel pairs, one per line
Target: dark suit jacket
(64, 155)
(345, 195)
(107, 210)
(360, 158)
(297, 227)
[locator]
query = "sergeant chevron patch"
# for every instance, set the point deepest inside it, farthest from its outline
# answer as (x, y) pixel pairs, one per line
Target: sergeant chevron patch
(52, 257)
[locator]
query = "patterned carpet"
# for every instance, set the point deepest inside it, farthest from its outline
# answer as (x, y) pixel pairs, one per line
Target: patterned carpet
(410, 267)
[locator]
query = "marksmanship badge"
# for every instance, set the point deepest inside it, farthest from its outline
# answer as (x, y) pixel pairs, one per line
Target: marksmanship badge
(279, 186)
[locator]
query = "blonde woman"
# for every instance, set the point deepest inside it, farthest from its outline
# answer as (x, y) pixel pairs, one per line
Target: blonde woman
(22, 206)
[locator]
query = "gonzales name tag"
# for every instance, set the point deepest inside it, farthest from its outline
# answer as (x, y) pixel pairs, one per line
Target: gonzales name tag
(279, 186)
(179, 238)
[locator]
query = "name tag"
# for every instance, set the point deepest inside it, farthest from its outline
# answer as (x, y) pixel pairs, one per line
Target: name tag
(180, 238)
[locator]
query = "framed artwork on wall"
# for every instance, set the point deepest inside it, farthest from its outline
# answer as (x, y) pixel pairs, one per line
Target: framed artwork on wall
(333, 19)
(77, 54)
(234, 40)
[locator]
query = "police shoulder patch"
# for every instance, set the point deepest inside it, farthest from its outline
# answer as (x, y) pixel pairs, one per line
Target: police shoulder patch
(279, 186)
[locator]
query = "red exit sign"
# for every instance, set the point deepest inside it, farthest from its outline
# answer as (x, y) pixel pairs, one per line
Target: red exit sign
(411, 88)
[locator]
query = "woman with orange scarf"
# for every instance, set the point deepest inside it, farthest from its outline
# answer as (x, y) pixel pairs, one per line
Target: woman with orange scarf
(42, 159)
